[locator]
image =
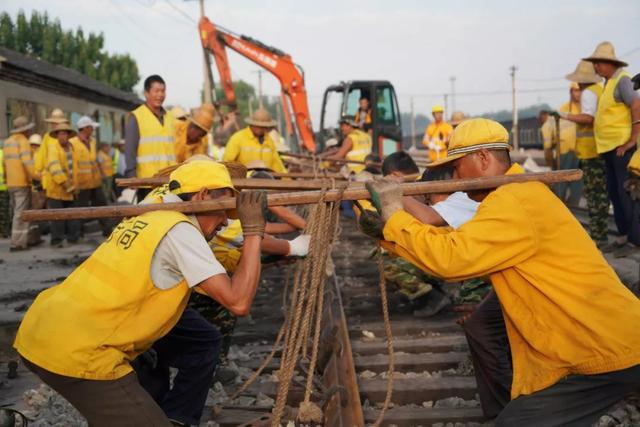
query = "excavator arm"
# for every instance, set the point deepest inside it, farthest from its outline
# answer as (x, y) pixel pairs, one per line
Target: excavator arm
(215, 39)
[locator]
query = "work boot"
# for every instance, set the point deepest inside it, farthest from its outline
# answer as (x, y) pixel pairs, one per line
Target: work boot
(225, 375)
(616, 244)
(436, 301)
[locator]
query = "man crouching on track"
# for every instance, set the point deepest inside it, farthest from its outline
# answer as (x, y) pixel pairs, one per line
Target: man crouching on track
(572, 325)
(80, 336)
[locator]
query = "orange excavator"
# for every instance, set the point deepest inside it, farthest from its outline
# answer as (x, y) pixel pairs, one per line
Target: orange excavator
(339, 100)
(215, 39)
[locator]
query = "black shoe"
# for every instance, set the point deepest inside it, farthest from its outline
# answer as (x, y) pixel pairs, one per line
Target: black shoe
(437, 300)
(17, 248)
(224, 375)
(624, 251)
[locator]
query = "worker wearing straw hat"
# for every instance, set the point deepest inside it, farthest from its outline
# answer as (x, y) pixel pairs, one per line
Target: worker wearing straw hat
(356, 144)
(130, 293)
(56, 117)
(617, 128)
(591, 163)
(254, 143)
(574, 351)
(19, 168)
(437, 134)
(191, 135)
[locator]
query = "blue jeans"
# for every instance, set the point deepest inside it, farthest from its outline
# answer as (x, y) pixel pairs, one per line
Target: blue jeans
(192, 347)
(625, 210)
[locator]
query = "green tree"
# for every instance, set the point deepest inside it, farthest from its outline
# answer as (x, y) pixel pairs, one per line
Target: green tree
(44, 38)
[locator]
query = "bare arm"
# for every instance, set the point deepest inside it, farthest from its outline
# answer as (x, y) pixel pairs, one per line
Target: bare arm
(273, 246)
(237, 293)
(346, 146)
(581, 119)
(423, 213)
(289, 216)
(279, 228)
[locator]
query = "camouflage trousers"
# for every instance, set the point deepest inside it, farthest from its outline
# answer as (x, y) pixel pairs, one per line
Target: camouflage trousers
(595, 191)
(409, 279)
(472, 291)
(219, 316)
(5, 214)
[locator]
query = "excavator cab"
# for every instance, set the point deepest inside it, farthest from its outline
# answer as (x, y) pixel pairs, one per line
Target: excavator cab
(344, 99)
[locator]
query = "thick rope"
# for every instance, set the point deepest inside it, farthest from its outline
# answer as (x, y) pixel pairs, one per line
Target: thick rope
(387, 329)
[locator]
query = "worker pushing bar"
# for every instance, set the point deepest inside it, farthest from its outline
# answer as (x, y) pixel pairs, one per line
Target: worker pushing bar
(303, 197)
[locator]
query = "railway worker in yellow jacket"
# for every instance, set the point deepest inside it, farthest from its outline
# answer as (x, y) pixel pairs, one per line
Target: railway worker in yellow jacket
(191, 135)
(356, 144)
(19, 169)
(149, 139)
(437, 135)
(254, 143)
(616, 127)
(88, 179)
(80, 336)
(574, 351)
(57, 117)
(61, 190)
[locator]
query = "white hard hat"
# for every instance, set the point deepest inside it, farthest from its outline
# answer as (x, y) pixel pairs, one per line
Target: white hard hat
(85, 121)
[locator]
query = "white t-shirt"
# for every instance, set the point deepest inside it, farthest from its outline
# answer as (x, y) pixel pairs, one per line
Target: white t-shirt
(183, 253)
(456, 209)
(588, 103)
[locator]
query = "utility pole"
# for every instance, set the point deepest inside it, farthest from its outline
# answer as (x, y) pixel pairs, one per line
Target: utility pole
(446, 105)
(259, 87)
(413, 126)
(209, 96)
(515, 134)
(250, 105)
(453, 93)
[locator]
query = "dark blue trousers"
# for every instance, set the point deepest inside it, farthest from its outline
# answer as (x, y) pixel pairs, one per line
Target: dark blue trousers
(192, 347)
(625, 210)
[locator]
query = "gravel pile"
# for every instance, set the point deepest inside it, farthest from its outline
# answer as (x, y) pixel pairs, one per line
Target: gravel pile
(48, 408)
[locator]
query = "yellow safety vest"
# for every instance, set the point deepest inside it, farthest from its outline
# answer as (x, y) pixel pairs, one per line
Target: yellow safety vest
(184, 150)
(217, 152)
(437, 146)
(227, 245)
(106, 164)
(244, 147)
(3, 183)
(58, 171)
(361, 148)
(585, 140)
(612, 124)
(18, 162)
(156, 149)
(108, 310)
(85, 171)
(41, 159)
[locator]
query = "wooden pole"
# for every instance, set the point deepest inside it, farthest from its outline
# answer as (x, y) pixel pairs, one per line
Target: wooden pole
(238, 183)
(301, 198)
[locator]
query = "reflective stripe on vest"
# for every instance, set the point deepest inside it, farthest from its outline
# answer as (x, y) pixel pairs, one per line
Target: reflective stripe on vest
(585, 139)
(108, 310)
(156, 148)
(612, 124)
(361, 148)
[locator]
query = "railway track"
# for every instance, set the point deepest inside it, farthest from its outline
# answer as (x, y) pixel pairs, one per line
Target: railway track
(432, 381)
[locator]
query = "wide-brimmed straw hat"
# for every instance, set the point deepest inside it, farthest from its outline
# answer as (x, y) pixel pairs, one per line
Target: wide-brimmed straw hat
(605, 53)
(261, 118)
(61, 126)
(349, 120)
(35, 139)
(203, 118)
(21, 124)
(584, 73)
(457, 117)
(179, 113)
(473, 135)
(57, 116)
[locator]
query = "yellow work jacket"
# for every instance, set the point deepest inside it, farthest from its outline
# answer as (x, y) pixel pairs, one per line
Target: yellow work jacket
(156, 148)
(108, 310)
(41, 159)
(227, 245)
(436, 139)
(244, 147)
(106, 164)
(3, 182)
(567, 135)
(86, 171)
(184, 150)
(18, 161)
(565, 310)
(59, 174)
(585, 139)
(361, 148)
(612, 124)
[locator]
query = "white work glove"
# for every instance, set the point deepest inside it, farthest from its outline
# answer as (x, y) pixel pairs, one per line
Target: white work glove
(300, 245)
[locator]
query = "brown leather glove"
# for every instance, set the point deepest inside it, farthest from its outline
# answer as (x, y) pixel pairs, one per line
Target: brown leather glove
(386, 196)
(252, 211)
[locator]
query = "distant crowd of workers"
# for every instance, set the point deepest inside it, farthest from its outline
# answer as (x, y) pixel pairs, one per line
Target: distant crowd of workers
(549, 342)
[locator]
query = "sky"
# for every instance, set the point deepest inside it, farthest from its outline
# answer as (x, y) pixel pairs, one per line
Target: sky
(418, 45)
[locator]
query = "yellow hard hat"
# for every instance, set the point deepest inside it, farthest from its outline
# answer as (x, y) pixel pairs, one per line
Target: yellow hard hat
(193, 176)
(473, 135)
(437, 109)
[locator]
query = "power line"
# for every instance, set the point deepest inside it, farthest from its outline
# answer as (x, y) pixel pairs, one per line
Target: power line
(181, 12)
(485, 93)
